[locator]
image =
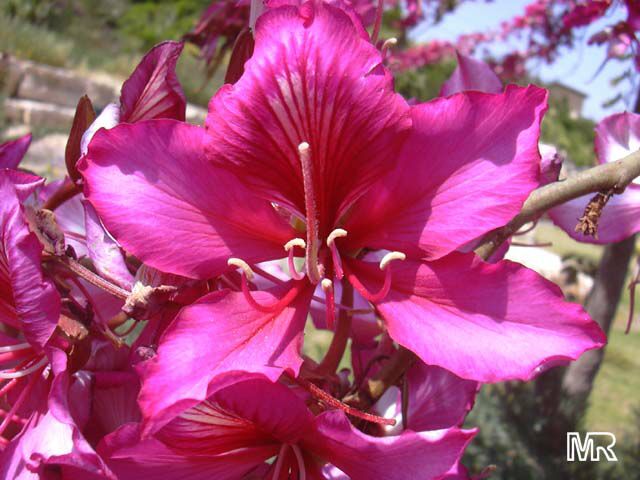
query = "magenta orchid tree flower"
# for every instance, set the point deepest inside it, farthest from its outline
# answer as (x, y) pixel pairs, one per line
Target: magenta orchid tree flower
(235, 431)
(312, 151)
(616, 137)
(36, 429)
(29, 307)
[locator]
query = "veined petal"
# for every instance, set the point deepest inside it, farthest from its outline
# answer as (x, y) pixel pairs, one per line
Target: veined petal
(28, 302)
(407, 456)
(161, 199)
(220, 335)
(153, 89)
(471, 74)
(469, 165)
(12, 152)
(243, 415)
(484, 322)
(149, 459)
(312, 78)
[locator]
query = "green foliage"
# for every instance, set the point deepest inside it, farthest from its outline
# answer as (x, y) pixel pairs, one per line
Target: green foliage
(425, 83)
(147, 22)
(574, 136)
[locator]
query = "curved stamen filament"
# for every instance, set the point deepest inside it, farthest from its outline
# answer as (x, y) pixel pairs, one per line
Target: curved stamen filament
(274, 307)
(335, 255)
(384, 290)
(23, 373)
(8, 386)
(391, 42)
(279, 461)
(13, 348)
(289, 247)
(21, 397)
(304, 153)
(327, 287)
(302, 475)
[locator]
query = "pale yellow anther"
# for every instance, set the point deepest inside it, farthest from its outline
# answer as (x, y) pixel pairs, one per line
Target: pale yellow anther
(390, 257)
(391, 42)
(295, 242)
(326, 284)
(303, 148)
(241, 264)
(337, 233)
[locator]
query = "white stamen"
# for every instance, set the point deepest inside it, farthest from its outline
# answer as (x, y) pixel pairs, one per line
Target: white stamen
(23, 373)
(391, 42)
(390, 257)
(14, 348)
(303, 148)
(326, 284)
(337, 233)
(295, 242)
(244, 266)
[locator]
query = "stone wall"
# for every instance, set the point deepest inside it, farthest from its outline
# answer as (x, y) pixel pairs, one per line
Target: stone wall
(40, 95)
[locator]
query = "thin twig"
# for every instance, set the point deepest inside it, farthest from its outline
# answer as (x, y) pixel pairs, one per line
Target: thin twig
(614, 175)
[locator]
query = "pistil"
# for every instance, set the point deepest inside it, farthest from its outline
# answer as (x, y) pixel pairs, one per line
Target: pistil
(311, 208)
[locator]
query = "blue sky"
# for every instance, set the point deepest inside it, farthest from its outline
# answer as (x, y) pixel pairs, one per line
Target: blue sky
(575, 68)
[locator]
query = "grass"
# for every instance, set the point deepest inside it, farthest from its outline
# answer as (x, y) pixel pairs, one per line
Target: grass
(616, 393)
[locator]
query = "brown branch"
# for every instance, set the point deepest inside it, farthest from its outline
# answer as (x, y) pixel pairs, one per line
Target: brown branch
(609, 176)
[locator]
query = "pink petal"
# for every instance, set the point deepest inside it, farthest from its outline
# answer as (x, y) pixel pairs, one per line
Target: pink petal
(153, 89)
(246, 414)
(130, 457)
(470, 163)
(11, 152)
(104, 251)
(617, 136)
(161, 199)
(25, 296)
(108, 118)
(217, 336)
(25, 184)
(437, 398)
(312, 78)
(404, 457)
(550, 164)
(70, 218)
(471, 74)
(484, 322)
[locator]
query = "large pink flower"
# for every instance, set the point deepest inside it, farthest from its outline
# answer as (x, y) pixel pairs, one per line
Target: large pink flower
(313, 142)
(616, 137)
(236, 430)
